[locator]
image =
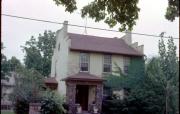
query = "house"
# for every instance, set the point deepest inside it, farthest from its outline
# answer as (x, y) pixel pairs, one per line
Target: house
(79, 63)
(7, 87)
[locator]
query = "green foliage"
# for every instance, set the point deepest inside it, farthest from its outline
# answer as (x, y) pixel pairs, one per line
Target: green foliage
(39, 52)
(124, 12)
(113, 12)
(28, 87)
(69, 4)
(8, 66)
(21, 106)
(153, 91)
(52, 103)
(172, 10)
(130, 80)
(170, 74)
(145, 95)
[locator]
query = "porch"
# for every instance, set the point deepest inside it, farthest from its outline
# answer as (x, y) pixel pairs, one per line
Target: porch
(84, 92)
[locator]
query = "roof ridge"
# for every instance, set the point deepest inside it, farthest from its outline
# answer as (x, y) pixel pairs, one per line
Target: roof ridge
(117, 38)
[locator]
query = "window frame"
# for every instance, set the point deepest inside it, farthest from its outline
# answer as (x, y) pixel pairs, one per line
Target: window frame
(107, 63)
(59, 47)
(88, 61)
(126, 63)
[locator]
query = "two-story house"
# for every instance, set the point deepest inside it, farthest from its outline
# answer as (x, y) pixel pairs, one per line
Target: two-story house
(80, 61)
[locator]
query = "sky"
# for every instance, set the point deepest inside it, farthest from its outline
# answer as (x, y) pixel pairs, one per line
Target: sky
(15, 32)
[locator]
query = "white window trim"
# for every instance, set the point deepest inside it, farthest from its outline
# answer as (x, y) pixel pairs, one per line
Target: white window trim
(124, 58)
(87, 62)
(107, 64)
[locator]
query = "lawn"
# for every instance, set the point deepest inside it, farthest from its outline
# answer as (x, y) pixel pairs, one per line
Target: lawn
(7, 112)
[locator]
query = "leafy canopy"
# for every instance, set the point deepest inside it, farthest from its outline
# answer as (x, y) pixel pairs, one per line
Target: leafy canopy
(154, 90)
(124, 12)
(172, 10)
(39, 52)
(28, 88)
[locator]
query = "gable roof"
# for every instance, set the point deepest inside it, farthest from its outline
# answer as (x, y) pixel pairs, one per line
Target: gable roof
(101, 45)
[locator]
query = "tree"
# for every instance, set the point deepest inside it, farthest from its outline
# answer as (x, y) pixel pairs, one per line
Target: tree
(39, 52)
(169, 65)
(28, 87)
(172, 10)
(52, 103)
(154, 92)
(135, 75)
(124, 12)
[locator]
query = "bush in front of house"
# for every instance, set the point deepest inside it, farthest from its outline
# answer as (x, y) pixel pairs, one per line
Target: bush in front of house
(112, 105)
(52, 103)
(21, 106)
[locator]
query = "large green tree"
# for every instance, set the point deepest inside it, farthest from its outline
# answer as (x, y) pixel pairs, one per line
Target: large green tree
(170, 74)
(154, 92)
(39, 52)
(28, 88)
(124, 12)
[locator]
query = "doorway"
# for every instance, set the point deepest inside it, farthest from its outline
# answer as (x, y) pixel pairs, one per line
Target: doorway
(82, 94)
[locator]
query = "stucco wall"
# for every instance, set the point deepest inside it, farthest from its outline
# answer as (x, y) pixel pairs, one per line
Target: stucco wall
(60, 59)
(73, 62)
(92, 94)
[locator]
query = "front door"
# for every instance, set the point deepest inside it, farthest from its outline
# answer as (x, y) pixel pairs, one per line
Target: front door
(82, 92)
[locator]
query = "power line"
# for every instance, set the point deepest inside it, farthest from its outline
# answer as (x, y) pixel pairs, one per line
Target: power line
(53, 22)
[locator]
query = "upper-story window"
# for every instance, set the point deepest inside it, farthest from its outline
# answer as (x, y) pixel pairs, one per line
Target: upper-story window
(84, 62)
(126, 62)
(107, 63)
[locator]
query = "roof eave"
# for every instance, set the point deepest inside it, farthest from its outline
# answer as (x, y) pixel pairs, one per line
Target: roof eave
(138, 55)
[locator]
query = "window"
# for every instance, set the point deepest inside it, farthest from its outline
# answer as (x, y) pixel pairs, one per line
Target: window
(84, 62)
(59, 47)
(55, 67)
(126, 62)
(107, 63)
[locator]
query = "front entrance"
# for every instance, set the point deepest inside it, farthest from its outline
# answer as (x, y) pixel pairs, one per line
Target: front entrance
(82, 92)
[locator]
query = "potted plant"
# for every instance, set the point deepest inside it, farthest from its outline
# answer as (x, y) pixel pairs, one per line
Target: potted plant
(79, 108)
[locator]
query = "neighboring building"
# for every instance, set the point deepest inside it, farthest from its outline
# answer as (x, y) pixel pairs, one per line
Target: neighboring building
(80, 61)
(6, 89)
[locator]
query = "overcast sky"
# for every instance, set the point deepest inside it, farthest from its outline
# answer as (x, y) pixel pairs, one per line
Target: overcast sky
(15, 32)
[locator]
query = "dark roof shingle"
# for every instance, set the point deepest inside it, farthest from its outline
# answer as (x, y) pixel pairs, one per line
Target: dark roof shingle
(101, 44)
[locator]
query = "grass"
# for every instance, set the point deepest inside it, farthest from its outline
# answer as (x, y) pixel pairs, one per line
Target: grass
(7, 112)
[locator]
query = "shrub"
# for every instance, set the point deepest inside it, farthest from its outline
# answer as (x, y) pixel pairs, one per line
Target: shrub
(52, 103)
(21, 107)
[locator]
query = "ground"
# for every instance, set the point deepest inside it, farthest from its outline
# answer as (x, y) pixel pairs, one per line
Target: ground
(7, 112)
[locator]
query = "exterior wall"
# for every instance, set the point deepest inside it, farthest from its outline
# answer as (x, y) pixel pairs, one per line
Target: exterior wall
(73, 62)
(117, 60)
(92, 94)
(96, 63)
(66, 62)
(60, 58)
(7, 86)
